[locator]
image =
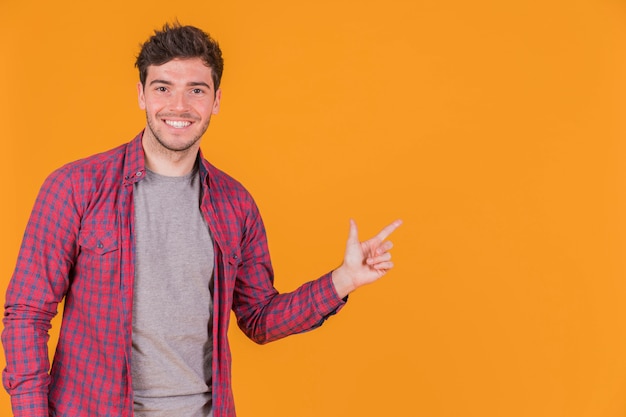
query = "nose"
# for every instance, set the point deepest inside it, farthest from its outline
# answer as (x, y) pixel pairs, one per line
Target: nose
(179, 102)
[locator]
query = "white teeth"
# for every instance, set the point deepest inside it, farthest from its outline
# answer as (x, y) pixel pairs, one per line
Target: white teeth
(179, 124)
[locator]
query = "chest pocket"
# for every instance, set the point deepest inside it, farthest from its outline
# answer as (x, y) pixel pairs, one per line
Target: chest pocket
(97, 265)
(98, 241)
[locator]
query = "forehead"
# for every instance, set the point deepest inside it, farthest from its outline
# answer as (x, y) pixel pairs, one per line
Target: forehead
(181, 70)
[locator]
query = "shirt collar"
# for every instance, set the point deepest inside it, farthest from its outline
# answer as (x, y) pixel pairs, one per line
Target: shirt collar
(135, 163)
(205, 169)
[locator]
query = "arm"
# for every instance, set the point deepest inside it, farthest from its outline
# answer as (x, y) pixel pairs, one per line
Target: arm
(264, 315)
(39, 283)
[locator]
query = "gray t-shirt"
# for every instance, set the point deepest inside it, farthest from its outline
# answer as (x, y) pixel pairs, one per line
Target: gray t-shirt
(172, 301)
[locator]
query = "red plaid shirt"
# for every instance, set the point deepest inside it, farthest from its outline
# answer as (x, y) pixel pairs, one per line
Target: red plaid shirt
(79, 244)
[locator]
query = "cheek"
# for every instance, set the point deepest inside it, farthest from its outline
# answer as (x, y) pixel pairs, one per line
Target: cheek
(153, 105)
(205, 110)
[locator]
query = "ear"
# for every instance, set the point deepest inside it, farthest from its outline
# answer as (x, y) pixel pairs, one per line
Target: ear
(140, 96)
(216, 102)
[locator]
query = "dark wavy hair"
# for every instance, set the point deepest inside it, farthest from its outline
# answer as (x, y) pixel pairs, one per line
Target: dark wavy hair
(177, 41)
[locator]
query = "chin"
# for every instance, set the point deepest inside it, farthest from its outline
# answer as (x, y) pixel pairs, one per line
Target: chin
(178, 146)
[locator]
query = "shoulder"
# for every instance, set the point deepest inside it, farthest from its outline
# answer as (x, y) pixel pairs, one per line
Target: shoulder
(231, 199)
(85, 176)
(98, 163)
(222, 183)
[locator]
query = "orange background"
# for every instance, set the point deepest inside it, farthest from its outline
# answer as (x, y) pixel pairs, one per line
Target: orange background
(494, 129)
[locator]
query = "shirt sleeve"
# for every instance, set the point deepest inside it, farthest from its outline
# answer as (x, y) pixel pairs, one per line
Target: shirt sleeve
(262, 313)
(38, 284)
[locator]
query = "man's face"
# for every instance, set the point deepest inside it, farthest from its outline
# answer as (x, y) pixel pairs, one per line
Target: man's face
(179, 99)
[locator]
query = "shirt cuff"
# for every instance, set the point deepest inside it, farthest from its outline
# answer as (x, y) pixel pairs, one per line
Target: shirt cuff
(34, 404)
(327, 300)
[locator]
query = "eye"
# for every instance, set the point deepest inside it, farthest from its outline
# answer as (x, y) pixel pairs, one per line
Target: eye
(161, 89)
(197, 91)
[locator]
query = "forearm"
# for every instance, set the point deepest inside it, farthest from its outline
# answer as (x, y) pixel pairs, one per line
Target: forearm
(26, 376)
(33, 404)
(299, 311)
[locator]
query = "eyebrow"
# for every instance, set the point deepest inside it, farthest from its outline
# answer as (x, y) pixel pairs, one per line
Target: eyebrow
(189, 84)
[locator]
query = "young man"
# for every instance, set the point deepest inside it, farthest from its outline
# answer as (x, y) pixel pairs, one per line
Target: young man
(151, 247)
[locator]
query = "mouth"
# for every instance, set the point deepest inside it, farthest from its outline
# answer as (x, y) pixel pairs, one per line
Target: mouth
(177, 124)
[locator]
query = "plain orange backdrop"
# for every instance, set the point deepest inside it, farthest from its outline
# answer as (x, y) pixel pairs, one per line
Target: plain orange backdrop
(494, 129)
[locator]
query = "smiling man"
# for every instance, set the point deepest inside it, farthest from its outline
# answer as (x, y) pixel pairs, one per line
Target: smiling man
(151, 247)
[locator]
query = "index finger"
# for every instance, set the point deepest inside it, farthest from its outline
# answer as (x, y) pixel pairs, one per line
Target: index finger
(387, 230)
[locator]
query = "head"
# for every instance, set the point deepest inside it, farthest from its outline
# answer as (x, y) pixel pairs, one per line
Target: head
(180, 68)
(182, 42)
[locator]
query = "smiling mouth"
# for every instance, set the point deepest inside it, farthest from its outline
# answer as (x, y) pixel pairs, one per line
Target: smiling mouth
(177, 124)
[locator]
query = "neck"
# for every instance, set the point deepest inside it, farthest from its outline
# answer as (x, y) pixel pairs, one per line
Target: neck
(167, 162)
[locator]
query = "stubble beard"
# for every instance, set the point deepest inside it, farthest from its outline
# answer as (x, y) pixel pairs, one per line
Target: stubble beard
(169, 148)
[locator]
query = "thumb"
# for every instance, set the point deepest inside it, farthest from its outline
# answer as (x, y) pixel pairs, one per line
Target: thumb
(353, 236)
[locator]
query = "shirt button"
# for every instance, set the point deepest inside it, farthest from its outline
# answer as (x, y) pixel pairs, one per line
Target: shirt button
(100, 245)
(138, 173)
